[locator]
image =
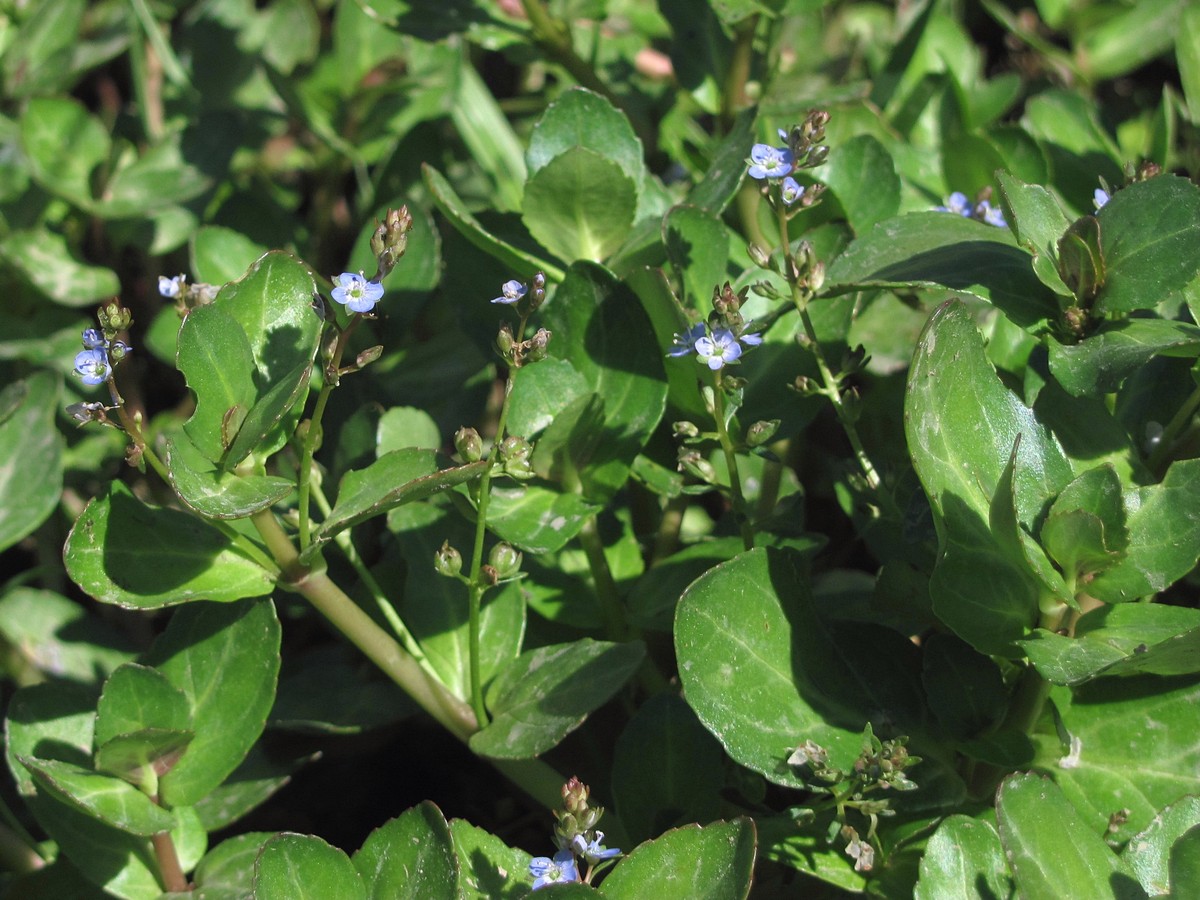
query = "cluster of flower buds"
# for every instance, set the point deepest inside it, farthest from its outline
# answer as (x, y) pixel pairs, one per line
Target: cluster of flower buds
(576, 837)
(519, 353)
(516, 457)
(774, 166)
(101, 349)
(390, 240)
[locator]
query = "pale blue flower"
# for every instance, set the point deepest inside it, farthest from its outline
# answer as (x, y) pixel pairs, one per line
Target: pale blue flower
(511, 292)
(685, 343)
(356, 293)
(93, 339)
(559, 870)
(1100, 197)
(992, 215)
(595, 851)
(770, 162)
(957, 203)
(92, 365)
(791, 190)
(751, 340)
(719, 350)
(171, 287)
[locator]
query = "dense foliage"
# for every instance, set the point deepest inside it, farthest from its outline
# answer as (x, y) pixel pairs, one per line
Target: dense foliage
(617, 448)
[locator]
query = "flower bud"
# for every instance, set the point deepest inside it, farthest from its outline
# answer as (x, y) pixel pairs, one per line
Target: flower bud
(765, 289)
(816, 278)
(505, 559)
(488, 575)
(114, 317)
(368, 356)
(575, 796)
(391, 239)
(684, 430)
(852, 404)
(761, 432)
(537, 346)
(694, 464)
(514, 455)
(537, 291)
(447, 561)
(504, 340)
(469, 444)
(760, 256)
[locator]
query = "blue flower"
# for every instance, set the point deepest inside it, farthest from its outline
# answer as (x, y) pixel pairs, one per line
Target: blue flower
(559, 870)
(92, 365)
(993, 215)
(685, 343)
(791, 191)
(171, 287)
(358, 294)
(751, 340)
(770, 162)
(720, 349)
(93, 339)
(957, 203)
(511, 292)
(1100, 197)
(595, 851)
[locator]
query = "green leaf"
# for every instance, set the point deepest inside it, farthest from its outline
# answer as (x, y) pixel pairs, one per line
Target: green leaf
(104, 797)
(965, 688)
(964, 858)
(61, 639)
(1128, 39)
(1038, 222)
(1081, 263)
(581, 118)
(765, 674)
(1187, 58)
(225, 659)
(129, 554)
(540, 393)
(545, 694)
(394, 479)
(410, 856)
(64, 144)
(217, 360)
(713, 862)
(537, 519)
(961, 424)
(580, 205)
(1101, 362)
(1185, 864)
(137, 756)
(697, 244)
(667, 770)
(862, 175)
(1085, 530)
(1048, 844)
(651, 601)
(406, 426)
(1117, 640)
(727, 166)
(516, 261)
(137, 697)
(1148, 854)
(31, 450)
(158, 178)
(1163, 547)
(252, 783)
(220, 255)
(942, 250)
(301, 867)
(1129, 748)
(229, 866)
(43, 258)
(214, 494)
(38, 57)
(1150, 234)
(600, 327)
(487, 866)
(57, 716)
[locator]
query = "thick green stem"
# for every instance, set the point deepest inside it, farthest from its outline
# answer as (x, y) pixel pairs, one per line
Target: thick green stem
(735, 479)
(733, 96)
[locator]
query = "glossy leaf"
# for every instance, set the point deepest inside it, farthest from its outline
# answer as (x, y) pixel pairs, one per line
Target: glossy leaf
(764, 673)
(406, 426)
(1150, 234)
(1101, 362)
(1185, 864)
(581, 118)
(1149, 853)
(129, 554)
(537, 519)
(1084, 531)
(1081, 262)
(540, 393)
(600, 327)
(863, 177)
(61, 639)
(714, 862)
(727, 167)
(104, 797)
(136, 697)
(225, 659)
(45, 260)
(229, 866)
(1129, 749)
(667, 770)
(217, 360)
(1039, 223)
(964, 858)
(216, 494)
(1162, 546)
(302, 867)
(412, 855)
(487, 866)
(697, 243)
(519, 262)
(64, 144)
(580, 205)
(965, 688)
(961, 424)
(946, 251)
(1048, 844)
(545, 694)
(220, 255)
(31, 449)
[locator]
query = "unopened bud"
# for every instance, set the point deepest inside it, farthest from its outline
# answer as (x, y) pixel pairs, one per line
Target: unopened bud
(514, 455)
(390, 239)
(114, 317)
(852, 405)
(537, 346)
(685, 430)
(759, 255)
(488, 575)
(537, 291)
(765, 289)
(816, 278)
(469, 444)
(368, 356)
(505, 559)
(761, 432)
(447, 561)
(504, 340)
(693, 463)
